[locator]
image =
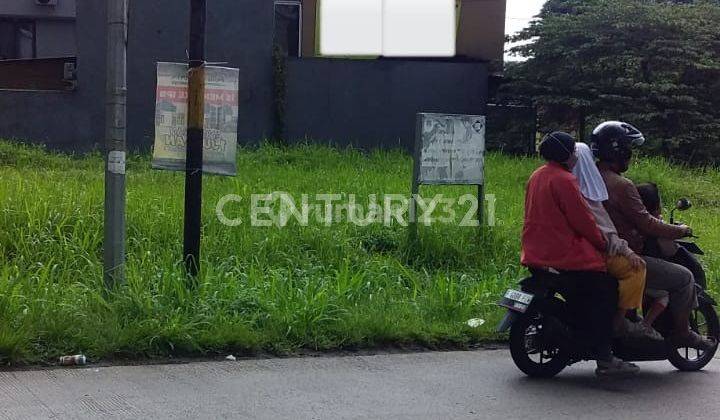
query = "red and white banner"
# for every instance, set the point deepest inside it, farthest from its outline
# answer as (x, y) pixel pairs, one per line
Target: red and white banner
(221, 118)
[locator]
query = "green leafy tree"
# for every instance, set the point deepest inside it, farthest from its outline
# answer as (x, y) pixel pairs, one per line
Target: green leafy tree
(653, 63)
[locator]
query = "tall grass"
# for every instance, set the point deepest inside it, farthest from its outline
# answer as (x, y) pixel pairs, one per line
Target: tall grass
(261, 289)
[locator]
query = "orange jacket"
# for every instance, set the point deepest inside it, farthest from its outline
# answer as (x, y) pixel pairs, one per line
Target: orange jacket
(560, 231)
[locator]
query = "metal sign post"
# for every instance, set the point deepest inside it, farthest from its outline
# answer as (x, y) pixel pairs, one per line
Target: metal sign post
(115, 135)
(195, 126)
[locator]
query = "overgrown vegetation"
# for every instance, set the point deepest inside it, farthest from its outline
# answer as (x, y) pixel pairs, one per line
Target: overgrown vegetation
(655, 64)
(262, 289)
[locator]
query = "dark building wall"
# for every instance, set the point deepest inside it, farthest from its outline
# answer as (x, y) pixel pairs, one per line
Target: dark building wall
(65, 120)
(239, 35)
(55, 38)
(373, 103)
(28, 8)
(362, 102)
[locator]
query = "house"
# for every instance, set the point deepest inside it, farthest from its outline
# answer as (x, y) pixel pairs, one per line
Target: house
(37, 29)
(53, 65)
(481, 27)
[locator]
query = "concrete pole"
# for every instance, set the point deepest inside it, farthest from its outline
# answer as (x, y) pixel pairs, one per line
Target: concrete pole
(195, 127)
(115, 135)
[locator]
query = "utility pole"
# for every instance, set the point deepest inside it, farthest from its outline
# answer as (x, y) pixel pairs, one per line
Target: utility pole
(115, 135)
(195, 126)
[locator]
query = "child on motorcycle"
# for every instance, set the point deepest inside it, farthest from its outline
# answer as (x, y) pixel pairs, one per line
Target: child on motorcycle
(655, 247)
(622, 263)
(665, 249)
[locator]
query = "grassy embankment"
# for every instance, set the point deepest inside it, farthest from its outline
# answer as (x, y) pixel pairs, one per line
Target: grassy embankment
(262, 288)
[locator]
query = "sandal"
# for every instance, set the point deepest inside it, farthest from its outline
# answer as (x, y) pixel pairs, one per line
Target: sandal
(649, 332)
(693, 340)
(615, 368)
(639, 330)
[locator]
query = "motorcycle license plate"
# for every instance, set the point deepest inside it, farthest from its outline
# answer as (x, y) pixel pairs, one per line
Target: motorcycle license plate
(514, 295)
(516, 301)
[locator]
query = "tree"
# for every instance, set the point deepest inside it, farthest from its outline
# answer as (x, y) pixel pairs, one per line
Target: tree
(653, 63)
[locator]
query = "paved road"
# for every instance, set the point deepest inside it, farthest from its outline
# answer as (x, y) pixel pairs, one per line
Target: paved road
(455, 385)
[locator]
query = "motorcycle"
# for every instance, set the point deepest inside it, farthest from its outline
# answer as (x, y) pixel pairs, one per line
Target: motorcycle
(542, 334)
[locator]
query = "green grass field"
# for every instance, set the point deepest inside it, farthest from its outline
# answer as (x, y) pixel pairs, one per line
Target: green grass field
(262, 288)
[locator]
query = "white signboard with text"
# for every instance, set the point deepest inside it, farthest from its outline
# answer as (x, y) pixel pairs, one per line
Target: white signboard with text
(450, 149)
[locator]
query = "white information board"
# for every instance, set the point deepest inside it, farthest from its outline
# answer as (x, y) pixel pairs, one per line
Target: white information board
(450, 149)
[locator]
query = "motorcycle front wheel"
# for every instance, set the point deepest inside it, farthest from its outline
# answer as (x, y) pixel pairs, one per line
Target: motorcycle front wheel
(704, 321)
(533, 348)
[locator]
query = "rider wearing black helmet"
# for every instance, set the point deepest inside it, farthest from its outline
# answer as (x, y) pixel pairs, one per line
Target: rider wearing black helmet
(613, 143)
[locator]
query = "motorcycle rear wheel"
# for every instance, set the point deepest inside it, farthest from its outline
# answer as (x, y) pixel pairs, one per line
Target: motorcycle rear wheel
(704, 321)
(532, 351)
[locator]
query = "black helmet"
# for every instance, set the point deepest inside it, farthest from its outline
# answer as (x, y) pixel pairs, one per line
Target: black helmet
(614, 140)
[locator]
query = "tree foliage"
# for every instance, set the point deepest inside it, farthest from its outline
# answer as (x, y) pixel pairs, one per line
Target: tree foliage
(653, 63)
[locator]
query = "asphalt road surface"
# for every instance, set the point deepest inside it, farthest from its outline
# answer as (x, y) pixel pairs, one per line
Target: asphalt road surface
(454, 385)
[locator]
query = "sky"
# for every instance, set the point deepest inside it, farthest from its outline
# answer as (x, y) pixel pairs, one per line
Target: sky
(519, 14)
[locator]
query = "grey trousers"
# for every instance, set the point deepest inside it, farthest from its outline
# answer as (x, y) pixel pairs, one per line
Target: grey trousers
(677, 280)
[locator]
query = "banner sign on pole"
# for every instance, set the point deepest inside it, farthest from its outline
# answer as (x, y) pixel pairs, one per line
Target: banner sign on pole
(221, 119)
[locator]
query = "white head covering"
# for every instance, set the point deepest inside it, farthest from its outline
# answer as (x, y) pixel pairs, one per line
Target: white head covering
(591, 182)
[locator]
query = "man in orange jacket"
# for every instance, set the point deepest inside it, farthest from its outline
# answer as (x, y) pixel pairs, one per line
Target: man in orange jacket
(560, 235)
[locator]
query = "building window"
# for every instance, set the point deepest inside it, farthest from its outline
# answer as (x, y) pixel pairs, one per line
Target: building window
(288, 27)
(17, 39)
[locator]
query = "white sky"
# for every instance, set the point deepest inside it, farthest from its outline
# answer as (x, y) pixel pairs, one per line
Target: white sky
(519, 15)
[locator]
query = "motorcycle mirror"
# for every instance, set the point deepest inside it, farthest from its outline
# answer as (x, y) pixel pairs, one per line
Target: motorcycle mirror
(683, 204)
